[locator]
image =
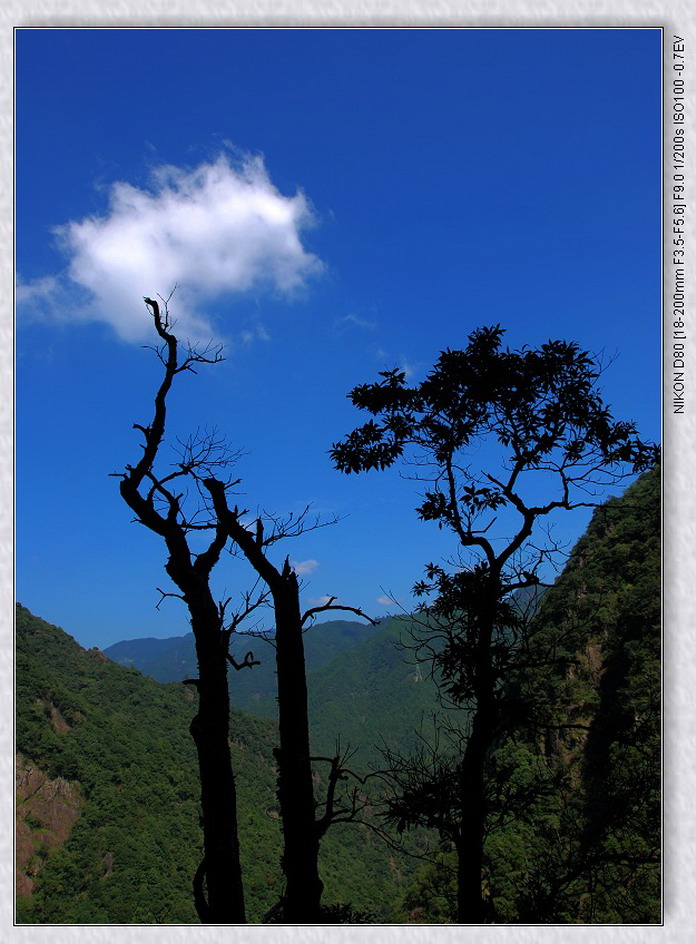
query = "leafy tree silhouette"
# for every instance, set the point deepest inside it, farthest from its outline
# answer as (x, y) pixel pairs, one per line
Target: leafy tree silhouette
(549, 444)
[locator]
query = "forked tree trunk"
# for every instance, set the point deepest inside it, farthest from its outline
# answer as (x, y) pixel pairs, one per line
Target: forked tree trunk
(221, 901)
(303, 890)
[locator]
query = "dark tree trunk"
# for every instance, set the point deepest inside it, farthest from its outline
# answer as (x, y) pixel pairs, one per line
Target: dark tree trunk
(295, 789)
(470, 904)
(302, 899)
(223, 902)
(470, 901)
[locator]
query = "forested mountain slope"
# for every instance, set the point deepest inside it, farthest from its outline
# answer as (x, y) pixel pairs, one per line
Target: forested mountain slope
(375, 694)
(597, 839)
(364, 688)
(108, 827)
(107, 777)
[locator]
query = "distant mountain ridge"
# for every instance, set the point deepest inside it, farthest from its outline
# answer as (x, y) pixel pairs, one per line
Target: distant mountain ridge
(173, 659)
(163, 659)
(139, 652)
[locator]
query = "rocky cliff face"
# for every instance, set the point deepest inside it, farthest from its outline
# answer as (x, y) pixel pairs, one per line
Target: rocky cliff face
(46, 812)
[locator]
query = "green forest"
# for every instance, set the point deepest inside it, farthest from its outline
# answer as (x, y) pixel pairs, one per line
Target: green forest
(108, 802)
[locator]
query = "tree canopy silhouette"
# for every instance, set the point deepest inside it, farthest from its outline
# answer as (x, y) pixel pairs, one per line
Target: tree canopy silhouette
(536, 421)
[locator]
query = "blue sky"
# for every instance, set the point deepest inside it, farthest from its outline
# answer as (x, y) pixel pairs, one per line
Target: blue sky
(331, 203)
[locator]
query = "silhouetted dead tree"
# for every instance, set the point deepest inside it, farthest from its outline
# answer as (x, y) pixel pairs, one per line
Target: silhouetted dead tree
(301, 833)
(158, 504)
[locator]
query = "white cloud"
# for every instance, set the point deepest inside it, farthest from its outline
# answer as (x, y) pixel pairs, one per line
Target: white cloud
(386, 601)
(304, 568)
(216, 230)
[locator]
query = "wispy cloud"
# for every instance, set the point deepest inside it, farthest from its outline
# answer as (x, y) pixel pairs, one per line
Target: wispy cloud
(409, 369)
(387, 601)
(304, 568)
(219, 229)
(38, 292)
(255, 333)
(345, 322)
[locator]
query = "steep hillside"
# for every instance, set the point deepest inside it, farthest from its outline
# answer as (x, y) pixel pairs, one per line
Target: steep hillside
(46, 813)
(591, 850)
(119, 743)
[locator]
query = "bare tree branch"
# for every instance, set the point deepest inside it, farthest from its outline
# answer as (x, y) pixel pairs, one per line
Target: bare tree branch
(330, 605)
